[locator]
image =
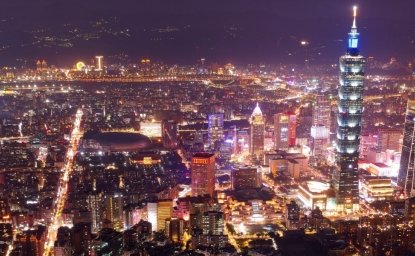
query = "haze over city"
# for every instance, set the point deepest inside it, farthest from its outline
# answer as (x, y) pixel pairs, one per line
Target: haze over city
(183, 31)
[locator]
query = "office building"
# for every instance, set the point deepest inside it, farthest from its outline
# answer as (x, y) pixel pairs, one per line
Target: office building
(164, 212)
(293, 164)
(215, 129)
(320, 129)
(320, 136)
(285, 125)
(406, 172)
(245, 177)
(257, 133)
(349, 121)
(292, 216)
(389, 139)
(213, 223)
(174, 229)
(114, 210)
(152, 215)
(322, 111)
(203, 174)
(169, 133)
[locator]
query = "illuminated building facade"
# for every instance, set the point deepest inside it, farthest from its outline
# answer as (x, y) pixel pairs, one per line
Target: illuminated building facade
(284, 130)
(321, 111)
(164, 212)
(152, 215)
(114, 210)
(407, 168)
(215, 129)
(213, 223)
(151, 129)
(315, 194)
(320, 139)
(376, 188)
(257, 133)
(292, 216)
(389, 139)
(174, 229)
(94, 202)
(320, 131)
(5, 212)
(349, 122)
(203, 174)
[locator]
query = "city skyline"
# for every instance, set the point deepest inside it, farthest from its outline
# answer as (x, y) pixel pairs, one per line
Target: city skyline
(112, 154)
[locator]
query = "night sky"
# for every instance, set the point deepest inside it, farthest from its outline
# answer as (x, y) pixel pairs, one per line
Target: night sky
(183, 31)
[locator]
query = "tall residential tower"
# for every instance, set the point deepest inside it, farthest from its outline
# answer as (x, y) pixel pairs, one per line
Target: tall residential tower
(349, 122)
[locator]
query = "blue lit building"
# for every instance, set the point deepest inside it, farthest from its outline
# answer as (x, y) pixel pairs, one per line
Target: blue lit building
(349, 122)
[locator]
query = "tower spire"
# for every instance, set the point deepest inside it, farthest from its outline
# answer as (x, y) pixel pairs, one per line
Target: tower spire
(354, 16)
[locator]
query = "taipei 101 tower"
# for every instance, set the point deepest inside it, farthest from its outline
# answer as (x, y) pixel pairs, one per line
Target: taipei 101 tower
(349, 120)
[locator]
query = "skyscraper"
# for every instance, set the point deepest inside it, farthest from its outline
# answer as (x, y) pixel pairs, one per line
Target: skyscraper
(321, 111)
(349, 121)
(406, 172)
(95, 207)
(203, 174)
(215, 128)
(320, 130)
(257, 133)
(114, 210)
(285, 125)
(164, 212)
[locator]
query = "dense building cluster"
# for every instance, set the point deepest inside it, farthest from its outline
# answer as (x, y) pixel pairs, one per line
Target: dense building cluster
(151, 159)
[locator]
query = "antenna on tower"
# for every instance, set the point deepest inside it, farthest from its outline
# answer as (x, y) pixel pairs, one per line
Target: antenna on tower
(354, 16)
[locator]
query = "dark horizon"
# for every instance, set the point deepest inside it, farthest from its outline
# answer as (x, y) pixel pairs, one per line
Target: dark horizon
(182, 32)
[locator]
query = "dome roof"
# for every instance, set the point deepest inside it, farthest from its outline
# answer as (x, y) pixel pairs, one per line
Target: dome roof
(120, 141)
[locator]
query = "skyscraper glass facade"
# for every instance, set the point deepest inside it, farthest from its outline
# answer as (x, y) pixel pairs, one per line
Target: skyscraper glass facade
(350, 100)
